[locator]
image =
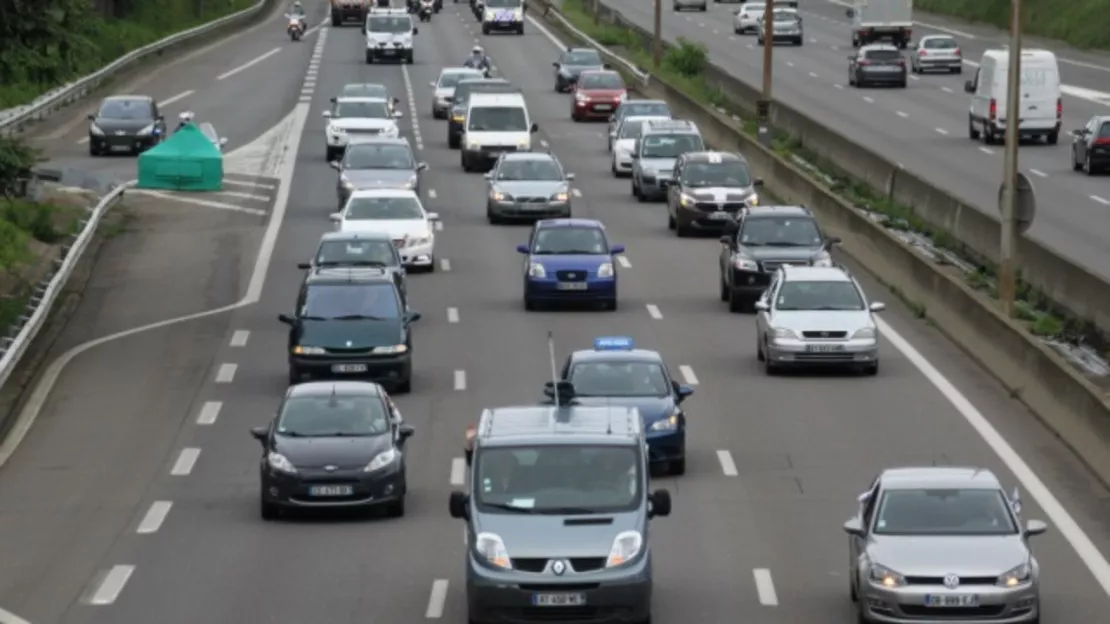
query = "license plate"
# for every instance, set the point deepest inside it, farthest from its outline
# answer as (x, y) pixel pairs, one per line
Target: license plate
(572, 285)
(331, 490)
(603, 107)
(558, 600)
(348, 368)
(388, 52)
(946, 600)
(887, 68)
(720, 216)
(824, 348)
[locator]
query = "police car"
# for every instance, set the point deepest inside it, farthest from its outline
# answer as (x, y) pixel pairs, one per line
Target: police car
(615, 372)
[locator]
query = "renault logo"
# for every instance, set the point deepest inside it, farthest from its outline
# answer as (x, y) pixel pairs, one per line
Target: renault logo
(331, 468)
(558, 568)
(951, 581)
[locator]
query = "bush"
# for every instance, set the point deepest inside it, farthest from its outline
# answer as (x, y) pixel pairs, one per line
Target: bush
(16, 161)
(688, 58)
(1082, 23)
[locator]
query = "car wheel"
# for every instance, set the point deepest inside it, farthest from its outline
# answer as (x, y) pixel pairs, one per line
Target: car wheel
(492, 218)
(369, 57)
(268, 511)
(485, 29)
(972, 132)
(678, 466)
(529, 304)
(681, 230)
(295, 376)
(958, 70)
(1052, 138)
(465, 163)
(769, 368)
(92, 150)
(902, 85)
(1075, 164)
(736, 304)
(396, 509)
(723, 287)
(1087, 168)
(871, 369)
(635, 189)
(453, 142)
(670, 222)
(738, 31)
(759, 356)
(403, 387)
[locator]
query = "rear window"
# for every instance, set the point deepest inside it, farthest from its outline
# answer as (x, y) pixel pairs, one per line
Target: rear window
(883, 55)
(940, 44)
(1104, 131)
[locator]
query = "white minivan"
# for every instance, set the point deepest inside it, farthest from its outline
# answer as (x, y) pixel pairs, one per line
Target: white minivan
(495, 123)
(1042, 107)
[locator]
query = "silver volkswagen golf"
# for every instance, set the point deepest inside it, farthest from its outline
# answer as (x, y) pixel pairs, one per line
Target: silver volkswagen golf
(527, 186)
(942, 544)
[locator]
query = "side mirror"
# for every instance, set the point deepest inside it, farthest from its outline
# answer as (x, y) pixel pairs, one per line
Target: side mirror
(398, 114)
(726, 240)
(332, 100)
(833, 240)
(405, 432)
(412, 316)
(335, 165)
(415, 31)
(877, 306)
(261, 433)
(535, 128)
(396, 101)
(616, 249)
(635, 156)
(287, 319)
(326, 114)
(659, 504)
(549, 390)
(92, 117)
(555, 65)
(606, 66)
(421, 166)
(335, 217)
(304, 266)
(850, 13)
(433, 216)
(522, 248)
(854, 527)
(488, 176)
(223, 141)
(969, 87)
(684, 392)
(762, 305)
(757, 183)
(1035, 527)
(570, 177)
(432, 84)
(457, 505)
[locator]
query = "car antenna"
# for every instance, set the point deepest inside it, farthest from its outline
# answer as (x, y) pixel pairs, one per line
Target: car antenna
(554, 374)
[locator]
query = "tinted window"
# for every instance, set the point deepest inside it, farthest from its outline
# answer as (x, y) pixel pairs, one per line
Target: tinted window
(1104, 131)
(126, 109)
(338, 301)
(632, 129)
(450, 79)
(821, 295)
(498, 119)
(466, 88)
(582, 57)
(600, 80)
(670, 145)
(780, 231)
(619, 379)
(387, 24)
(785, 16)
(570, 241)
(361, 110)
(548, 479)
(503, 4)
(728, 173)
(382, 209)
(378, 156)
(330, 416)
(644, 109)
(940, 44)
(529, 169)
(365, 252)
(944, 512)
(365, 90)
(883, 55)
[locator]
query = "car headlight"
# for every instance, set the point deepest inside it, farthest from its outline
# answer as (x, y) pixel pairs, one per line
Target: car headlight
(278, 462)
(536, 269)
(391, 350)
(524, 143)
(346, 183)
(391, 131)
(417, 241)
(745, 264)
(865, 332)
(490, 548)
(753, 200)
(881, 575)
(411, 182)
(560, 197)
(498, 196)
(381, 460)
(670, 423)
(336, 130)
(303, 350)
(783, 333)
(1020, 575)
(458, 118)
(582, 97)
(687, 200)
(625, 548)
(145, 130)
(605, 270)
(95, 129)
(472, 145)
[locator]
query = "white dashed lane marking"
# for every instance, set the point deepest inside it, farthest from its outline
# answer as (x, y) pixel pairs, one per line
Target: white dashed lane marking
(458, 471)
(240, 337)
(112, 585)
(209, 412)
(653, 311)
(688, 375)
(941, 130)
(1101, 200)
(248, 64)
(1038, 173)
(986, 150)
(460, 380)
(436, 600)
(576, 192)
(431, 193)
(727, 465)
(452, 315)
(444, 264)
(154, 517)
(625, 264)
(226, 374)
(765, 587)
(902, 115)
(868, 100)
(185, 462)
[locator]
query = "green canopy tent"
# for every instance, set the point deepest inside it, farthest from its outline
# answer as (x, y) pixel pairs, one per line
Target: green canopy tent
(186, 161)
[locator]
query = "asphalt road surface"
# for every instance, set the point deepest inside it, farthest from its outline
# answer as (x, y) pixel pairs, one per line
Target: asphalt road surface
(135, 497)
(923, 127)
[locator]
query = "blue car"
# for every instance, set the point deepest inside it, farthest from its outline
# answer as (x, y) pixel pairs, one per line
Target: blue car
(570, 260)
(615, 372)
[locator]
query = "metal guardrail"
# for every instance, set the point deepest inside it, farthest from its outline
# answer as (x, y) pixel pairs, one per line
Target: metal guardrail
(49, 104)
(550, 10)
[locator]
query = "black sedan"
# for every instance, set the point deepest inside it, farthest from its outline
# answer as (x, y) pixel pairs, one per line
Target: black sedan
(126, 123)
(334, 445)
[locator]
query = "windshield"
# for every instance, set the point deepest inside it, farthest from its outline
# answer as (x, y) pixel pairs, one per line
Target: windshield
(632, 129)
(378, 156)
(645, 109)
(729, 173)
(582, 58)
(351, 301)
(941, 44)
(883, 55)
(498, 119)
(126, 109)
(450, 79)
(1104, 131)
(619, 379)
(364, 252)
(599, 80)
(361, 110)
(529, 169)
(754, 8)
(559, 479)
(785, 16)
(570, 241)
(365, 90)
(382, 209)
(383, 24)
(330, 416)
(781, 232)
(670, 145)
(944, 512)
(503, 4)
(827, 295)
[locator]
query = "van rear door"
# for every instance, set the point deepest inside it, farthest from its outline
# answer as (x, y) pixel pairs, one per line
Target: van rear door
(1040, 91)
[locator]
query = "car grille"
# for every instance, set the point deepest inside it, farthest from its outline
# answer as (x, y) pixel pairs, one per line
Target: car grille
(714, 206)
(358, 351)
(939, 580)
(579, 564)
(531, 200)
(365, 131)
(953, 613)
(830, 334)
(771, 267)
(558, 587)
(571, 276)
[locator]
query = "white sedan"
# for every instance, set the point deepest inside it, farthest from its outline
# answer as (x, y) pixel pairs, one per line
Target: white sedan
(627, 133)
(397, 213)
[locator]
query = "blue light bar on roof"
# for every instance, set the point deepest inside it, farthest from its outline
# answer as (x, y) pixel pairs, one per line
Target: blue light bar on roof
(613, 343)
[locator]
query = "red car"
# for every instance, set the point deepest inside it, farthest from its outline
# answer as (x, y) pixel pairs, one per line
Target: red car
(597, 94)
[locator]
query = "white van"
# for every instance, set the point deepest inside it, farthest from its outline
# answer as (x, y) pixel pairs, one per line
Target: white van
(495, 123)
(1042, 107)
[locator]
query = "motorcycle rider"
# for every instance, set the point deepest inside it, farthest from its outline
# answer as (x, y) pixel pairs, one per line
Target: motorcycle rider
(427, 7)
(478, 59)
(297, 10)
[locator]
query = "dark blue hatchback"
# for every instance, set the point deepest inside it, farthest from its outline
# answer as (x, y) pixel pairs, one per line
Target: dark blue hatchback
(570, 260)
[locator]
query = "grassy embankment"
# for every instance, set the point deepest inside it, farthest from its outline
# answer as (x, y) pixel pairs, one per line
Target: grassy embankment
(1082, 23)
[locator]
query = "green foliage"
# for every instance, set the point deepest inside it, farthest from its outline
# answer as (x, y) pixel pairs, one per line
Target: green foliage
(1082, 23)
(16, 161)
(688, 58)
(13, 246)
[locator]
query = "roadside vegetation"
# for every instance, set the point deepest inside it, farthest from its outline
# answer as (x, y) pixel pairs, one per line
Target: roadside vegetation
(48, 43)
(1082, 23)
(682, 67)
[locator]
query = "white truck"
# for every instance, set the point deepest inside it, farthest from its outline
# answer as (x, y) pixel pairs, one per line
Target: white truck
(881, 20)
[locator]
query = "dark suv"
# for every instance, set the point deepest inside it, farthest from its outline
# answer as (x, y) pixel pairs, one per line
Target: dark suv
(708, 191)
(763, 239)
(351, 322)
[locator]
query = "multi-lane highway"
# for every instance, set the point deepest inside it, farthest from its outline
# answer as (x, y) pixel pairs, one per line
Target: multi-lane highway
(133, 499)
(923, 127)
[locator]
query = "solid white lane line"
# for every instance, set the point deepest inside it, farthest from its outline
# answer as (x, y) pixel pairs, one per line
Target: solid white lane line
(621, 260)
(411, 96)
(460, 380)
(812, 75)
(727, 465)
(902, 115)
(543, 144)
(437, 599)
(576, 192)
(986, 150)
(458, 471)
(688, 375)
(838, 86)
(1038, 173)
(154, 517)
(240, 337)
(182, 199)
(765, 587)
(226, 374)
(113, 583)
(268, 187)
(172, 99)
(444, 264)
(1101, 200)
(653, 311)
(941, 130)
(185, 462)
(248, 64)
(452, 315)
(209, 412)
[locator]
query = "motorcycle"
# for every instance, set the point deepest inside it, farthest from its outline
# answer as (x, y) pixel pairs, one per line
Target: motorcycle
(479, 9)
(295, 28)
(426, 10)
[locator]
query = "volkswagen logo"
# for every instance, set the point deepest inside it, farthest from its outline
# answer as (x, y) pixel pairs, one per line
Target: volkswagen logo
(331, 468)
(558, 568)
(951, 581)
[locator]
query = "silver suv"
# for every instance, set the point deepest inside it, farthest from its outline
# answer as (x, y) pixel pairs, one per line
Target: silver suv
(816, 316)
(655, 152)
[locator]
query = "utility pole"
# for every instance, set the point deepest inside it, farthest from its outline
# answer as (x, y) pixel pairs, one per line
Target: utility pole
(657, 43)
(763, 106)
(1007, 287)
(597, 11)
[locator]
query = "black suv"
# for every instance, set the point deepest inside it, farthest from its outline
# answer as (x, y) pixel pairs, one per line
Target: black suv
(761, 240)
(351, 322)
(359, 249)
(456, 120)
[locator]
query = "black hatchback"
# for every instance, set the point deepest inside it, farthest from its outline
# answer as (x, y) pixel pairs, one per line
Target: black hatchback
(126, 123)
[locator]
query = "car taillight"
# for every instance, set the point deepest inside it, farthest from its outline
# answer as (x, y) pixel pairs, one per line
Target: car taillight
(992, 113)
(902, 62)
(923, 53)
(956, 51)
(1102, 141)
(864, 62)
(1059, 109)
